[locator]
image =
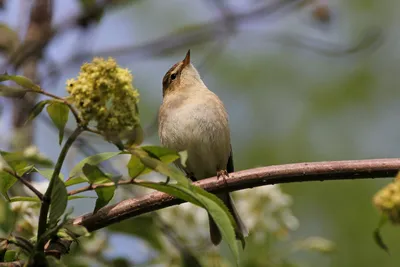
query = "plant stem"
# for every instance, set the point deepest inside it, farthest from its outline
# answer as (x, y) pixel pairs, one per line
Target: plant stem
(95, 186)
(44, 209)
(74, 112)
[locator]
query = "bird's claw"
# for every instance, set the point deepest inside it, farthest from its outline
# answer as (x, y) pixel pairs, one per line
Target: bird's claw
(224, 174)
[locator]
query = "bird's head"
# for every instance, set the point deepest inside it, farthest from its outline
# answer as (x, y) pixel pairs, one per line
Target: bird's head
(180, 76)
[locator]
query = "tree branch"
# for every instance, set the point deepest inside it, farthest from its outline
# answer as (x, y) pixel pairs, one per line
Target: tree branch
(278, 174)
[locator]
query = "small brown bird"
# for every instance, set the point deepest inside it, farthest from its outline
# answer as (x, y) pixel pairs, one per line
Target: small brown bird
(194, 119)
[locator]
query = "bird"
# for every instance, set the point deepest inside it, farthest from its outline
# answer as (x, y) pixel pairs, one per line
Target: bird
(192, 118)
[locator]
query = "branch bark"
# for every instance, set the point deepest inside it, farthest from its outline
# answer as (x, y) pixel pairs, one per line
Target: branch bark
(277, 174)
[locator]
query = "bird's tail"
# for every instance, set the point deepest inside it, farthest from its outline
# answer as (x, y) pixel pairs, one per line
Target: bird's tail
(241, 230)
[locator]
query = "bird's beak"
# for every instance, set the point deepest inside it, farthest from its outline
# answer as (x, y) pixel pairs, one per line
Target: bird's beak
(186, 60)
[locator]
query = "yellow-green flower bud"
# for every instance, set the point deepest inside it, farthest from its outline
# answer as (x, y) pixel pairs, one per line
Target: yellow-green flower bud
(103, 94)
(387, 200)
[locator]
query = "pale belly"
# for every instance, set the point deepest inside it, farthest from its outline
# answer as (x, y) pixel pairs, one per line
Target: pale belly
(203, 133)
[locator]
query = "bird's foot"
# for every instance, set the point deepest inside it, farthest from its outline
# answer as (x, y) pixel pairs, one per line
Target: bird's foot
(224, 174)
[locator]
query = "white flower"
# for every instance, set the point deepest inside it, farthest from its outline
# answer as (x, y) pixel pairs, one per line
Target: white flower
(31, 151)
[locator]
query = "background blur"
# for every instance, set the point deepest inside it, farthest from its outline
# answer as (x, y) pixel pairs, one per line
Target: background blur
(301, 80)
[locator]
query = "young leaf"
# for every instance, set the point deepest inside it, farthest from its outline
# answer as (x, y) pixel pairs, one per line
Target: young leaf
(77, 230)
(210, 202)
(10, 39)
(21, 159)
(163, 154)
(92, 160)
(75, 180)
(58, 113)
(37, 109)
(135, 167)
(20, 80)
(96, 176)
(163, 168)
(6, 182)
(10, 91)
(59, 200)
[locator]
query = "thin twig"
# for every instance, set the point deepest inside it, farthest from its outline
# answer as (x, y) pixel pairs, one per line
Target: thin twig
(26, 183)
(61, 99)
(91, 187)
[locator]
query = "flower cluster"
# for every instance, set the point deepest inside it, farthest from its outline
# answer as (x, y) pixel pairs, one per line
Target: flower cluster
(387, 200)
(103, 93)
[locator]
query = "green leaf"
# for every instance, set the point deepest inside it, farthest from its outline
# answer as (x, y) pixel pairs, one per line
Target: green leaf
(77, 230)
(76, 180)
(6, 182)
(19, 198)
(21, 159)
(161, 167)
(96, 176)
(10, 255)
(7, 217)
(144, 227)
(175, 190)
(37, 109)
(92, 160)
(59, 200)
(79, 197)
(10, 91)
(214, 206)
(104, 197)
(20, 80)
(10, 39)
(58, 113)
(135, 167)
(48, 173)
(163, 154)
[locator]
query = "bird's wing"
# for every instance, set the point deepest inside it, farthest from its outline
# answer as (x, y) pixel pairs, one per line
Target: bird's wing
(229, 167)
(183, 169)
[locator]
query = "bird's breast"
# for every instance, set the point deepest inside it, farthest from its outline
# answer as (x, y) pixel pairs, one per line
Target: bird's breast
(201, 128)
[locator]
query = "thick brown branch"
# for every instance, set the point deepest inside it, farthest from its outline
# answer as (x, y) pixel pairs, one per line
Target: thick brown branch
(288, 173)
(278, 174)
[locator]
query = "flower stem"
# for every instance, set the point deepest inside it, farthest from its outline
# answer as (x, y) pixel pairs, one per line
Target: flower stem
(44, 209)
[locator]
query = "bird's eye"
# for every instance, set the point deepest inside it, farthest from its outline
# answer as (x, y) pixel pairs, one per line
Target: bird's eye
(173, 76)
